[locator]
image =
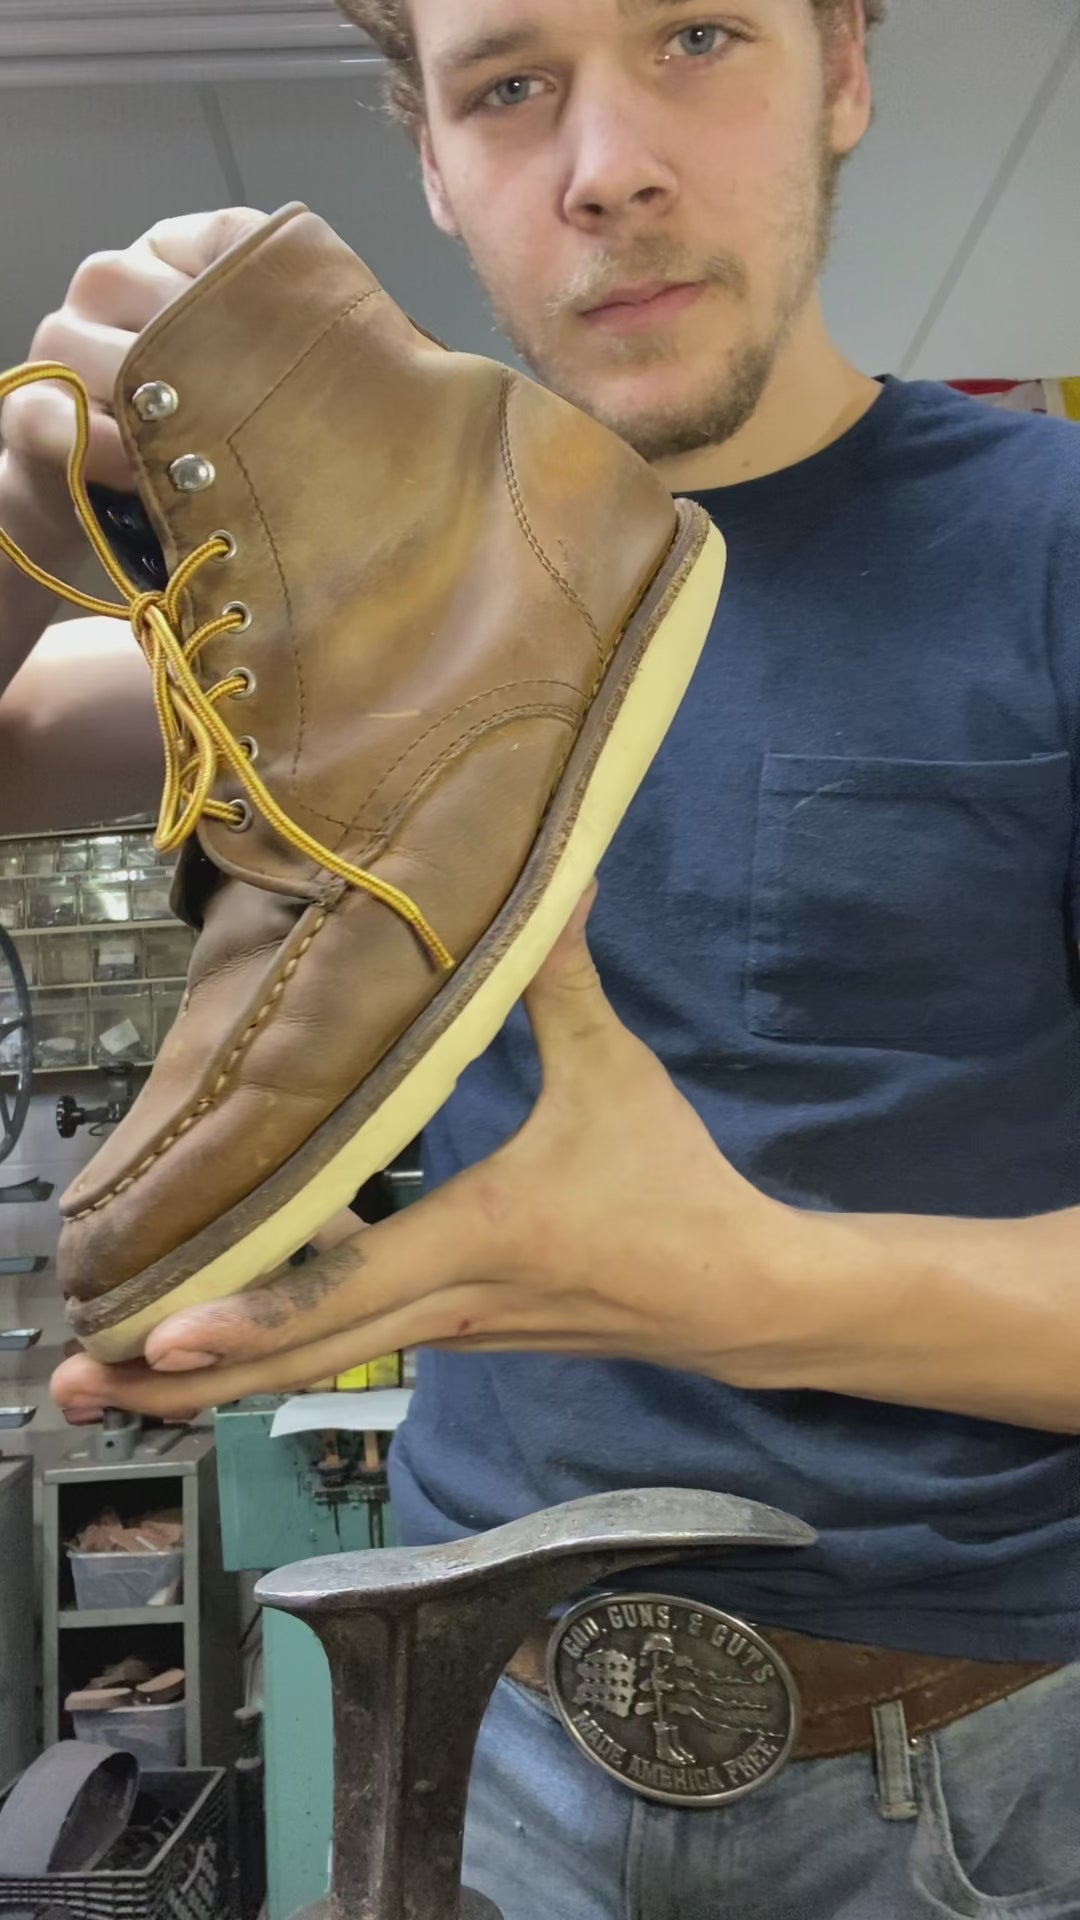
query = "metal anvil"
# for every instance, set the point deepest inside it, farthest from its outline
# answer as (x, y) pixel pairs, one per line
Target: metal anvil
(416, 1640)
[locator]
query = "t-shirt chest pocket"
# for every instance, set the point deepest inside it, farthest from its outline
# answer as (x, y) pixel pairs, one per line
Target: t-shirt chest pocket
(899, 901)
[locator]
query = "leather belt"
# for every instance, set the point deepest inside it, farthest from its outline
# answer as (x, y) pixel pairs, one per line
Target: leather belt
(840, 1684)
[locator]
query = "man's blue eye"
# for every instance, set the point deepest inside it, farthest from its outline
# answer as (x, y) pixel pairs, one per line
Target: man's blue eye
(512, 92)
(697, 41)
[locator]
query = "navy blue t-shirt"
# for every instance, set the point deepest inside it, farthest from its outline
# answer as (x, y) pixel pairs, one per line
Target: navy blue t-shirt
(843, 912)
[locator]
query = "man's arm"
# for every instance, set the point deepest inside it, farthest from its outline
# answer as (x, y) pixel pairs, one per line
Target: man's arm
(978, 1317)
(29, 514)
(611, 1225)
(78, 738)
(79, 741)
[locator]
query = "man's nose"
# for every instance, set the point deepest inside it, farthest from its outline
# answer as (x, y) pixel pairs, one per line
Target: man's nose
(617, 172)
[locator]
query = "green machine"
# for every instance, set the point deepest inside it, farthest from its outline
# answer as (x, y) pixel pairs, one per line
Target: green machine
(289, 1497)
(285, 1499)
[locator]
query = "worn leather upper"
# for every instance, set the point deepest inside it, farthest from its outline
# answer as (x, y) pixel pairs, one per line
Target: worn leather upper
(439, 557)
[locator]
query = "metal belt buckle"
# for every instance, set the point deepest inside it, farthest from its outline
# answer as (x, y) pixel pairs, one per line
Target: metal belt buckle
(681, 1702)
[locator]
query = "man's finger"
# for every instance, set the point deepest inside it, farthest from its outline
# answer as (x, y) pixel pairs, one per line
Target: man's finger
(191, 242)
(82, 1383)
(377, 1271)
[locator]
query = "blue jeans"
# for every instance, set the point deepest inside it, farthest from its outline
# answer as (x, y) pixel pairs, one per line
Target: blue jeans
(978, 1822)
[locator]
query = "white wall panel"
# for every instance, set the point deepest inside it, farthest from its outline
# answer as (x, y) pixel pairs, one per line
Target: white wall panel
(83, 170)
(1015, 308)
(955, 82)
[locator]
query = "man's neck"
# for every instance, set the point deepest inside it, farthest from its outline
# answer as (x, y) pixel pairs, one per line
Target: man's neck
(814, 396)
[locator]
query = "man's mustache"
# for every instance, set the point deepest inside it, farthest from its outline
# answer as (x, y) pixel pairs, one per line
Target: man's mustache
(599, 278)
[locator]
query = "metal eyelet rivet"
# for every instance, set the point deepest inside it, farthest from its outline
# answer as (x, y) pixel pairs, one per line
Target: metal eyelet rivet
(240, 607)
(243, 817)
(249, 746)
(250, 683)
(192, 472)
(230, 544)
(155, 400)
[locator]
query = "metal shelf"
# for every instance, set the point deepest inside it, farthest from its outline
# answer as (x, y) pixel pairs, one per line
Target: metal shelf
(110, 986)
(120, 1616)
(205, 1624)
(96, 926)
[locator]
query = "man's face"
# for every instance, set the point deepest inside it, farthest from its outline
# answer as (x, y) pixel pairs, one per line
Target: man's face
(645, 188)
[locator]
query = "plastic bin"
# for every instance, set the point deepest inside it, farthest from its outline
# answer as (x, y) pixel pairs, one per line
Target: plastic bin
(127, 1579)
(186, 1878)
(155, 1735)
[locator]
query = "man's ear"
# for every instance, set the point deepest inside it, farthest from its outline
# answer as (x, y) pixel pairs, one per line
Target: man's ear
(438, 205)
(850, 92)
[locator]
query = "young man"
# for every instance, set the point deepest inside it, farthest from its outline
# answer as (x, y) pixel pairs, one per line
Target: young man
(796, 1214)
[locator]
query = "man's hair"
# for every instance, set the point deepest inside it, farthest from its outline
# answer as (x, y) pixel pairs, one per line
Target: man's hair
(386, 23)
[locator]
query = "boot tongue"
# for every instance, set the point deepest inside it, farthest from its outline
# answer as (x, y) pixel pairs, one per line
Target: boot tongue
(195, 879)
(126, 525)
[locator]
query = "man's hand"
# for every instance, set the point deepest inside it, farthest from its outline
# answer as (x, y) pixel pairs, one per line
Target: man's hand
(78, 735)
(112, 297)
(610, 1225)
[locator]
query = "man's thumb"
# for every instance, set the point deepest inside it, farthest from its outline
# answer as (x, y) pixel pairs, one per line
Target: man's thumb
(566, 1004)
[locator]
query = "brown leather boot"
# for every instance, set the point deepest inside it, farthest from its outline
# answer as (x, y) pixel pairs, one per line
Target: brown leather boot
(426, 628)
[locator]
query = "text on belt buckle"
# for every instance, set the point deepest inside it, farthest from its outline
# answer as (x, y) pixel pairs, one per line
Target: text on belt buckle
(681, 1702)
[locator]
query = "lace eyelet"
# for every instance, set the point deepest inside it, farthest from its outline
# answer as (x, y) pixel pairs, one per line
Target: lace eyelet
(250, 746)
(243, 819)
(241, 607)
(250, 683)
(221, 533)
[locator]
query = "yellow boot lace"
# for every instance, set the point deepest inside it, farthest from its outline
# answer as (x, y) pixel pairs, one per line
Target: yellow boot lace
(197, 742)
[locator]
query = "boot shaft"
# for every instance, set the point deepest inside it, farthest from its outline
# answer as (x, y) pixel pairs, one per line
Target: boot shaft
(424, 540)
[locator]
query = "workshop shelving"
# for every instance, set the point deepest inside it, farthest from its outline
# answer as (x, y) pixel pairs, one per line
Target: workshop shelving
(168, 1469)
(104, 957)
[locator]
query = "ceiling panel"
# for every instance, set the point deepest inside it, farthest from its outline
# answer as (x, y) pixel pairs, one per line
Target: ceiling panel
(86, 169)
(1015, 309)
(955, 81)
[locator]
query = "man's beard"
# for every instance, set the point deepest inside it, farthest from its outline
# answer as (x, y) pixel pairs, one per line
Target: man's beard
(734, 390)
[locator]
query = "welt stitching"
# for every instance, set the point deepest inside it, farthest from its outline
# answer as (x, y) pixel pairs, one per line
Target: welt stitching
(514, 490)
(209, 1100)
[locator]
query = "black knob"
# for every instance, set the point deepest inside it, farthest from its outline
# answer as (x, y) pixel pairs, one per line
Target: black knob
(69, 1117)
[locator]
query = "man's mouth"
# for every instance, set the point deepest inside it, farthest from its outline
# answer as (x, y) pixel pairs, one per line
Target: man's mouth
(630, 309)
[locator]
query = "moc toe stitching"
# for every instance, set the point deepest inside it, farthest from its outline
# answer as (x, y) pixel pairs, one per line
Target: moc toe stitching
(203, 1106)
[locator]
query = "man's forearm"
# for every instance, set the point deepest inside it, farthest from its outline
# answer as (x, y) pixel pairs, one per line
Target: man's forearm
(36, 522)
(79, 743)
(965, 1316)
